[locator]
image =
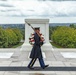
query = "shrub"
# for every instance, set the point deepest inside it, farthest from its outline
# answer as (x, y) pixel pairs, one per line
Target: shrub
(65, 36)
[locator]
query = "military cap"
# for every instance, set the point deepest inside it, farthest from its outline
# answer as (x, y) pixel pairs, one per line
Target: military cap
(37, 28)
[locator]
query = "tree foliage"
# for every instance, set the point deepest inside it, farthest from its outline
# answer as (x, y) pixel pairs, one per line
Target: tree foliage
(3, 38)
(65, 37)
(12, 38)
(18, 35)
(73, 26)
(51, 29)
(9, 37)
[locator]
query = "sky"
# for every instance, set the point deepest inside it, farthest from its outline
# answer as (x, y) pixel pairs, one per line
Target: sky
(57, 11)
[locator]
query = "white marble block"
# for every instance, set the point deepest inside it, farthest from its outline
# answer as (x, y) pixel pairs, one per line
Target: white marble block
(44, 29)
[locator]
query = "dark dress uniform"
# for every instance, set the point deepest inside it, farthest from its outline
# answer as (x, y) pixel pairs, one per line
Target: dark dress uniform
(36, 52)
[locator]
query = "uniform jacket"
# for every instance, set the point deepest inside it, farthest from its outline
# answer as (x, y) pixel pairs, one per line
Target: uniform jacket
(36, 50)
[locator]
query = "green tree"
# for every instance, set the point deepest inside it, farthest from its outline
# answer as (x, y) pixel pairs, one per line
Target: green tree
(3, 38)
(51, 29)
(73, 26)
(12, 38)
(65, 36)
(18, 34)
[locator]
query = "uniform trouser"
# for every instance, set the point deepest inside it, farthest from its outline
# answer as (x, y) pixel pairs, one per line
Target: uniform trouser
(41, 61)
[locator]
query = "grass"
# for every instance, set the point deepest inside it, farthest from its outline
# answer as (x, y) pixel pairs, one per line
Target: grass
(17, 45)
(55, 45)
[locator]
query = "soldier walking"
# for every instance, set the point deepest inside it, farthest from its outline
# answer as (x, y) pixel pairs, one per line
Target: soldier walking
(36, 51)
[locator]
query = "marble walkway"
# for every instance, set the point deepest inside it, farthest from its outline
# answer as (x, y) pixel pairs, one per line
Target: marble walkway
(53, 58)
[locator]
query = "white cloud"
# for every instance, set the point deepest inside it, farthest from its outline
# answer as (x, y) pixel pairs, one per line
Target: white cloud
(37, 8)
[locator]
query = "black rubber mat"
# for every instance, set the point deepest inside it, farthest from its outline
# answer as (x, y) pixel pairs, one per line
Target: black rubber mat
(13, 68)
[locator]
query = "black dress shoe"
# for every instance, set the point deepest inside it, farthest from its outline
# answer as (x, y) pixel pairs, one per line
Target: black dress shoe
(31, 68)
(45, 66)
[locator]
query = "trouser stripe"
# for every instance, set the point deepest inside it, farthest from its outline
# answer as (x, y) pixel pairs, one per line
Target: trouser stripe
(32, 62)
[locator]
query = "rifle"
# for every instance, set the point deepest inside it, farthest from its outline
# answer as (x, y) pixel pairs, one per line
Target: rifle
(35, 31)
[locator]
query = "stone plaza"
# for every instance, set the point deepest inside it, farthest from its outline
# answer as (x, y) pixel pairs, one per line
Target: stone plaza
(57, 58)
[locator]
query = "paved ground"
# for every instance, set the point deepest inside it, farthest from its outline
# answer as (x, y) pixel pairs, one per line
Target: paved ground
(53, 58)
